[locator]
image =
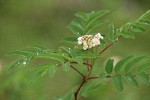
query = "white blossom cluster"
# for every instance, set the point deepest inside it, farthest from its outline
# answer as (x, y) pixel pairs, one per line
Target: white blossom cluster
(89, 41)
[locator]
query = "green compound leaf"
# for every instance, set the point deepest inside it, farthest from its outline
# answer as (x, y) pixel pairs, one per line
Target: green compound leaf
(143, 67)
(16, 65)
(117, 81)
(95, 25)
(111, 34)
(90, 56)
(39, 47)
(102, 75)
(70, 51)
(89, 87)
(76, 27)
(78, 60)
(94, 15)
(134, 61)
(86, 22)
(22, 53)
(132, 80)
(82, 15)
(127, 34)
(70, 39)
(145, 22)
(53, 56)
(45, 69)
(66, 66)
(137, 28)
(145, 15)
(144, 77)
(121, 63)
(109, 66)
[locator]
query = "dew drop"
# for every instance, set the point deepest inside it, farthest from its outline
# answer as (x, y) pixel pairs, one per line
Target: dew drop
(24, 63)
(18, 63)
(37, 53)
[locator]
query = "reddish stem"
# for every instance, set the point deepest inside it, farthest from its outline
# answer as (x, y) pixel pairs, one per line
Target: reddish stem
(91, 78)
(108, 46)
(77, 71)
(79, 88)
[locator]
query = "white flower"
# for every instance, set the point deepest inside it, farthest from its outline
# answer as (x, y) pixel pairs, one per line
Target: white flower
(96, 42)
(80, 40)
(99, 36)
(85, 46)
(89, 41)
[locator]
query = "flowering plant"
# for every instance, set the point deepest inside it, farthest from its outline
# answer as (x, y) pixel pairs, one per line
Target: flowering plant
(88, 46)
(88, 41)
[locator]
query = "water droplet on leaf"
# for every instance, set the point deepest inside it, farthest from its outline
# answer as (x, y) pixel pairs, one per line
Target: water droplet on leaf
(37, 53)
(24, 63)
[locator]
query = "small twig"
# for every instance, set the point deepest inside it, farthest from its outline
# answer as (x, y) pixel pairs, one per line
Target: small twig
(108, 46)
(85, 79)
(91, 78)
(77, 71)
(57, 65)
(83, 63)
(79, 88)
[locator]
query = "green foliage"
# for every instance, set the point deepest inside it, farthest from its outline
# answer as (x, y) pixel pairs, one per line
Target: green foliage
(66, 66)
(132, 79)
(87, 22)
(117, 81)
(90, 87)
(133, 62)
(144, 77)
(66, 57)
(111, 34)
(120, 64)
(109, 66)
(45, 69)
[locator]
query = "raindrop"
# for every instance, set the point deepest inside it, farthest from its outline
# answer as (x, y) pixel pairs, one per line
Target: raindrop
(69, 49)
(18, 63)
(37, 53)
(24, 63)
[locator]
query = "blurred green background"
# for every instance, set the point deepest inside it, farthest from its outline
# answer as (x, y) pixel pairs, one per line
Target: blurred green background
(43, 22)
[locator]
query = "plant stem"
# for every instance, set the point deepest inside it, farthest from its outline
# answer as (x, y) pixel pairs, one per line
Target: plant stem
(108, 46)
(79, 88)
(85, 79)
(77, 71)
(91, 78)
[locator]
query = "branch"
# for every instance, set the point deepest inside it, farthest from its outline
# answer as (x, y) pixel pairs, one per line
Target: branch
(83, 63)
(79, 88)
(108, 46)
(77, 71)
(91, 78)
(57, 65)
